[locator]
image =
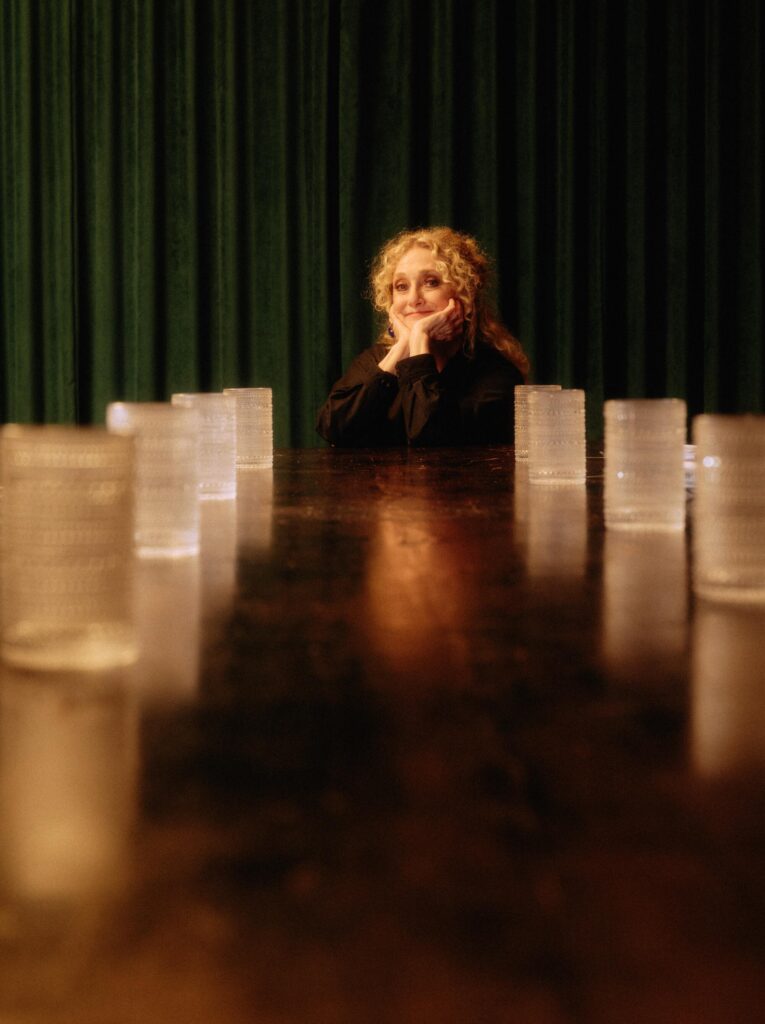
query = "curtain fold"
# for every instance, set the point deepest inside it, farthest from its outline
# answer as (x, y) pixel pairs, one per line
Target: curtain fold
(192, 191)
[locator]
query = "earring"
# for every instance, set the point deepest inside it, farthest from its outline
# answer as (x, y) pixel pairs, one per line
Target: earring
(390, 331)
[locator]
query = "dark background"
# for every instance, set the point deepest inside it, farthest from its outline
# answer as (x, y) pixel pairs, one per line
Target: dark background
(192, 191)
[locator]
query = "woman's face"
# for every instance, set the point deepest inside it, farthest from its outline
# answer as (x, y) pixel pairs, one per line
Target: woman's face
(418, 288)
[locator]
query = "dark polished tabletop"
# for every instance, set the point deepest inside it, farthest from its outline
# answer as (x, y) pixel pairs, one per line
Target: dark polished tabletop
(411, 742)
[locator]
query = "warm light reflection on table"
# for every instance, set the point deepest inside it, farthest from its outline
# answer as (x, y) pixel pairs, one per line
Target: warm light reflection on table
(254, 511)
(378, 762)
(417, 593)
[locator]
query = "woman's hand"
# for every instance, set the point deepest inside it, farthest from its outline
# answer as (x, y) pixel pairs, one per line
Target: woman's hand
(400, 347)
(442, 326)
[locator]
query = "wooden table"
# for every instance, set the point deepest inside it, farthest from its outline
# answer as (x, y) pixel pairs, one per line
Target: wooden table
(442, 752)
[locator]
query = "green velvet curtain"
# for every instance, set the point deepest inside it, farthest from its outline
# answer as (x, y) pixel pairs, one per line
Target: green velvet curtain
(192, 190)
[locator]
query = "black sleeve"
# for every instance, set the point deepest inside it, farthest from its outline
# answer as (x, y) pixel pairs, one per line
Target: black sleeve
(356, 411)
(469, 402)
(430, 409)
(488, 411)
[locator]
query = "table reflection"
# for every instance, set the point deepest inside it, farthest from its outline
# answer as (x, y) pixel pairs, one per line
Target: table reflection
(254, 511)
(551, 526)
(645, 604)
(68, 771)
(217, 528)
(167, 616)
(418, 592)
(727, 678)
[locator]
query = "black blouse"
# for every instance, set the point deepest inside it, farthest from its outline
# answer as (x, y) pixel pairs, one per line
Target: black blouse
(469, 402)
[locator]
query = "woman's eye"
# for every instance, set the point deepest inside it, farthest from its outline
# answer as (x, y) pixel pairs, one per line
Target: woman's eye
(432, 282)
(400, 286)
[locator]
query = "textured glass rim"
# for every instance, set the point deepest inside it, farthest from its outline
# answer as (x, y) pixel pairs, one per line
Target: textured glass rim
(643, 403)
(245, 391)
(64, 429)
(524, 388)
(726, 422)
(143, 406)
(133, 417)
(65, 433)
(198, 395)
(565, 392)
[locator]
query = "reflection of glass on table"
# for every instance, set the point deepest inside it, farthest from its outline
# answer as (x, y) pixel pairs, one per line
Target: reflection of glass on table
(167, 618)
(727, 678)
(68, 776)
(551, 527)
(645, 605)
(254, 511)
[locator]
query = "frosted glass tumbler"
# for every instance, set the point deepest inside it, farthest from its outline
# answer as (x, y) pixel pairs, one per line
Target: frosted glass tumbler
(167, 500)
(217, 442)
(522, 392)
(67, 547)
(557, 451)
(254, 427)
(644, 476)
(729, 509)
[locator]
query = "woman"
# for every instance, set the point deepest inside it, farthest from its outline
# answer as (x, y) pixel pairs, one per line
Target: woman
(444, 370)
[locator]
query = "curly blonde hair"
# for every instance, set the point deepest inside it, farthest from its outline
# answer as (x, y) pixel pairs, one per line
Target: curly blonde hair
(465, 266)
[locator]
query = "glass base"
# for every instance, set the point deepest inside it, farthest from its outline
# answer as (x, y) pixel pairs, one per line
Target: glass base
(64, 648)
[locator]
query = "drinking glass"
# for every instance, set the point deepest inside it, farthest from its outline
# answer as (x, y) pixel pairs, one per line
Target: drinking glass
(644, 476)
(729, 508)
(167, 476)
(217, 442)
(254, 427)
(67, 547)
(557, 450)
(522, 392)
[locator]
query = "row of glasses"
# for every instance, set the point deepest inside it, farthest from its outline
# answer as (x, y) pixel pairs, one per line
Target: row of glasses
(646, 476)
(79, 502)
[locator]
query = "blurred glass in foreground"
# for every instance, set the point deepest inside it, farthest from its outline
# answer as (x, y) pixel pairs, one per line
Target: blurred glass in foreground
(67, 548)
